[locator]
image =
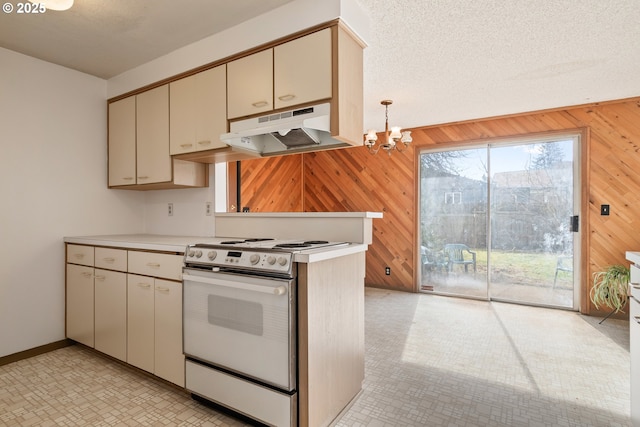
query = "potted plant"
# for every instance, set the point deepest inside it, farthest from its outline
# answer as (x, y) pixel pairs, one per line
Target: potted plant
(611, 288)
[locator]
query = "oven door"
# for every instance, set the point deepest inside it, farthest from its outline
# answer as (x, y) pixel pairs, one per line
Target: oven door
(241, 323)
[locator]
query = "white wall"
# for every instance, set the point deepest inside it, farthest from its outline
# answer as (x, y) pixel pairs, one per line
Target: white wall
(189, 210)
(53, 183)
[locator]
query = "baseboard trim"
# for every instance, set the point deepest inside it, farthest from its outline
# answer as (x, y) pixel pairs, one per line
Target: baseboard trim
(5, 360)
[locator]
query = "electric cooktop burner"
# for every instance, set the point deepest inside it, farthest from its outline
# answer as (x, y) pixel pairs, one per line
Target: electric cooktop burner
(305, 244)
(235, 242)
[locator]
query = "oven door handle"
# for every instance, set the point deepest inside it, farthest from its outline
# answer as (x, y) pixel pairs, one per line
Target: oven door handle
(278, 290)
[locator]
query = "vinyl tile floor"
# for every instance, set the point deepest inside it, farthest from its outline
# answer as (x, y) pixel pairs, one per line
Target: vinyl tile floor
(430, 361)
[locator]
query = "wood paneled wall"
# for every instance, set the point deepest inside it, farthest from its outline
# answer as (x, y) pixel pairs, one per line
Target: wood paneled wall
(272, 184)
(353, 180)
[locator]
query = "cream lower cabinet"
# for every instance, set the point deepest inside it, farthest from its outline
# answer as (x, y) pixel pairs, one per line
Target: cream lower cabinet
(140, 326)
(634, 343)
(154, 339)
(111, 313)
(168, 356)
(119, 302)
(79, 299)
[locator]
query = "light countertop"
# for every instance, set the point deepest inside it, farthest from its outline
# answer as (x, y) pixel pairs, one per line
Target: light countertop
(178, 244)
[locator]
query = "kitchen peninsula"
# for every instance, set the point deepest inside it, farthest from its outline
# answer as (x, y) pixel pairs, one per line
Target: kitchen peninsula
(329, 289)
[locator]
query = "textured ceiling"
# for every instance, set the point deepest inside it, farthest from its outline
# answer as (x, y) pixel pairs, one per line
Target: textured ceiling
(448, 60)
(439, 60)
(106, 38)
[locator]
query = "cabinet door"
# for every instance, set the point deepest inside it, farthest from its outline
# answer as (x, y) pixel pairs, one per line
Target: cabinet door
(250, 84)
(122, 142)
(152, 136)
(198, 111)
(169, 359)
(140, 319)
(302, 70)
(111, 313)
(634, 354)
(80, 304)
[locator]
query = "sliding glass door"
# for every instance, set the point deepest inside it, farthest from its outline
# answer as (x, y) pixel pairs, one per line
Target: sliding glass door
(497, 222)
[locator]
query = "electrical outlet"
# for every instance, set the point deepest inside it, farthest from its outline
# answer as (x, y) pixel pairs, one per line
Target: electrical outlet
(387, 271)
(208, 209)
(170, 209)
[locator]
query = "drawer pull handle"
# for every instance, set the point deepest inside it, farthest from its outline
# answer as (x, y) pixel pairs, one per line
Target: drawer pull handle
(79, 256)
(637, 319)
(186, 145)
(153, 265)
(144, 285)
(162, 289)
(635, 285)
(101, 278)
(288, 97)
(260, 104)
(109, 260)
(128, 178)
(86, 274)
(143, 177)
(206, 142)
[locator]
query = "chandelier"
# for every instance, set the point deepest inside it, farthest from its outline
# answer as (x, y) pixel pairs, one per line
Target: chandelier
(393, 137)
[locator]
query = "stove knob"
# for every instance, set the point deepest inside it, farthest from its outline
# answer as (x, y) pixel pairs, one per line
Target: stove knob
(191, 254)
(254, 259)
(271, 260)
(282, 261)
(198, 254)
(212, 255)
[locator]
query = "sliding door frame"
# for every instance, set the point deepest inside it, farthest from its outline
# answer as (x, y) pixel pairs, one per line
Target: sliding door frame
(581, 158)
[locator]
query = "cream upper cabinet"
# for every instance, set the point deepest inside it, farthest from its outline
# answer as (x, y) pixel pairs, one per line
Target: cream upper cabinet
(289, 74)
(122, 142)
(152, 136)
(302, 70)
(198, 111)
(250, 84)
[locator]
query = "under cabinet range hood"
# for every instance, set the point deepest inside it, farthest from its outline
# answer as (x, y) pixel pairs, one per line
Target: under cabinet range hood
(286, 132)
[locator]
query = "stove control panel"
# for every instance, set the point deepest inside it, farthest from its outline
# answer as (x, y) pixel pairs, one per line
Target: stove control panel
(246, 259)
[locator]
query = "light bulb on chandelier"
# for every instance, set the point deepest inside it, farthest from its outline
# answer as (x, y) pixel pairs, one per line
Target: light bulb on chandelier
(393, 136)
(54, 4)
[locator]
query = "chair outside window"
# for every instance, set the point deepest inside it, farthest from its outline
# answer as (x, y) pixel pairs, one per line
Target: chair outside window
(565, 263)
(432, 261)
(460, 254)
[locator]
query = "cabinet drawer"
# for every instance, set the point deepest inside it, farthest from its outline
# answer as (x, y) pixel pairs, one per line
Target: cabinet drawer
(111, 259)
(79, 254)
(157, 265)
